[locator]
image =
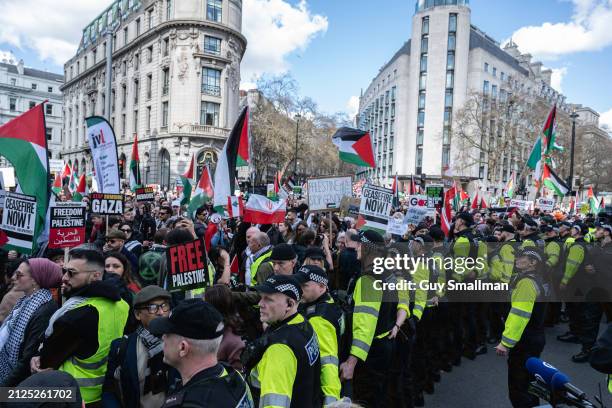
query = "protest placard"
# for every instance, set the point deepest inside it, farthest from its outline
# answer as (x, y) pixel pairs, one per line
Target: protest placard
(434, 193)
(349, 207)
(19, 221)
(106, 204)
(546, 204)
(326, 193)
(522, 205)
(67, 224)
(187, 266)
(415, 215)
(417, 201)
(396, 224)
(145, 194)
(376, 207)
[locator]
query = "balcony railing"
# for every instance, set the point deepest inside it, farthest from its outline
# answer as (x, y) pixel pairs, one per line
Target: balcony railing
(211, 90)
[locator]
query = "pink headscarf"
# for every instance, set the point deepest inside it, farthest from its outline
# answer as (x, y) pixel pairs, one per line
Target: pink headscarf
(45, 273)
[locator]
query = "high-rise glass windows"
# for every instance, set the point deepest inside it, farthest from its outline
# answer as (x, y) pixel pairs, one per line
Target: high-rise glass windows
(422, 100)
(452, 23)
(423, 63)
(425, 26)
(214, 9)
(452, 41)
(450, 60)
(423, 81)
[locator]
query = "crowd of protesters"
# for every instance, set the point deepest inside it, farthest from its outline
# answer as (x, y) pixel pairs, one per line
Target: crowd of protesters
(288, 317)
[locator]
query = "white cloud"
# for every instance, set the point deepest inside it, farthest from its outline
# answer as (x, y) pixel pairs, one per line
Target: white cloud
(274, 30)
(352, 106)
(7, 56)
(588, 30)
(605, 118)
(52, 28)
(556, 79)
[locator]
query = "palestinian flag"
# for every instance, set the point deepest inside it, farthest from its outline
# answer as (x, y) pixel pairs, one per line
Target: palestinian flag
(204, 192)
(593, 203)
(483, 203)
(242, 159)
(554, 182)
(475, 202)
(57, 184)
(510, 186)
(23, 144)
(72, 183)
(135, 180)
(464, 197)
(81, 190)
(226, 166)
(544, 145)
(235, 206)
(355, 146)
(449, 198)
(456, 196)
(186, 180)
(261, 210)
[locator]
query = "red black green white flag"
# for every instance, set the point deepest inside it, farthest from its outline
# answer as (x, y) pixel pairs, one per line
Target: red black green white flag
(135, 181)
(355, 146)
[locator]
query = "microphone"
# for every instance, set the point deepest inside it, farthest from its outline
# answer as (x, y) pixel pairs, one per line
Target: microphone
(560, 381)
(541, 369)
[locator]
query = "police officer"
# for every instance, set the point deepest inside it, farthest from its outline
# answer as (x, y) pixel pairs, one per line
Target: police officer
(284, 363)
(327, 320)
(523, 335)
(192, 335)
(530, 234)
(371, 352)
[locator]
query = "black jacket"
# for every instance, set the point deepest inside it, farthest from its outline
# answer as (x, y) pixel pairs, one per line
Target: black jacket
(31, 340)
(348, 267)
(76, 332)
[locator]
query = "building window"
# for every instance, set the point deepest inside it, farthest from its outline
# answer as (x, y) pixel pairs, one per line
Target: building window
(135, 123)
(419, 160)
(450, 60)
(50, 89)
(211, 81)
(168, 9)
(148, 118)
(32, 104)
(452, 40)
(421, 100)
(424, 43)
(165, 81)
(212, 45)
(494, 71)
(149, 85)
(421, 118)
(393, 90)
(423, 63)
(49, 133)
(423, 81)
(166, 47)
(136, 90)
(164, 166)
(503, 76)
(486, 67)
(420, 136)
(123, 126)
(449, 79)
(123, 96)
(448, 99)
(137, 27)
(34, 86)
(12, 104)
(209, 114)
(494, 91)
(214, 10)
(446, 135)
(485, 87)
(150, 18)
(164, 114)
(49, 109)
(150, 54)
(445, 156)
(114, 97)
(452, 23)
(425, 26)
(125, 36)
(136, 62)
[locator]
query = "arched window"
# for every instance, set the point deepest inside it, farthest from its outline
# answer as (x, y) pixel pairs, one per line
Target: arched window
(164, 166)
(122, 166)
(206, 158)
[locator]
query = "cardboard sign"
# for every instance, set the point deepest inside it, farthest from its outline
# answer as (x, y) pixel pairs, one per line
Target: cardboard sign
(326, 193)
(376, 206)
(434, 193)
(106, 204)
(187, 266)
(522, 205)
(19, 221)
(415, 215)
(546, 204)
(396, 224)
(67, 227)
(349, 207)
(145, 194)
(418, 201)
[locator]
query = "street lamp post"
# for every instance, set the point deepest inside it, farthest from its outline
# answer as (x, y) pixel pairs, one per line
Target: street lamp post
(297, 130)
(570, 182)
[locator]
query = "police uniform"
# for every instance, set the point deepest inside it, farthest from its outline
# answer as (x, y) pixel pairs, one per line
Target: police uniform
(285, 365)
(501, 271)
(218, 386)
(327, 320)
(524, 330)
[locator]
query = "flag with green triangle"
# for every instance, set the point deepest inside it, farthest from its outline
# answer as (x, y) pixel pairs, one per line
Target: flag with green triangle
(57, 184)
(81, 190)
(554, 182)
(186, 180)
(593, 203)
(135, 181)
(242, 158)
(204, 192)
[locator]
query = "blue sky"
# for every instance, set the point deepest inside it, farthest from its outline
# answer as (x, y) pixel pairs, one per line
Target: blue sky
(334, 48)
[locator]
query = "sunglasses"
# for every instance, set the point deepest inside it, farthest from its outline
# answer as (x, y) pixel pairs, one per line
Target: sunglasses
(72, 272)
(126, 230)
